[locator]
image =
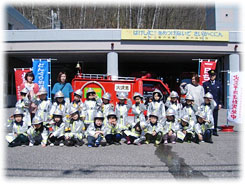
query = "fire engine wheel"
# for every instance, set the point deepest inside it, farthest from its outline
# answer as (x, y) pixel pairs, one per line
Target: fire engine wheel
(93, 82)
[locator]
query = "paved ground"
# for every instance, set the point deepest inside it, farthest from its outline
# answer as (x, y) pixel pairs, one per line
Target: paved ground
(220, 160)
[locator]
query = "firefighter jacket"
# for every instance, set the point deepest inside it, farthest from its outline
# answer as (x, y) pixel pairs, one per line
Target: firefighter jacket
(158, 108)
(180, 128)
(150, 128)
(113, 129)
(176, 106)
(77, 105)
(138, 111)
(200, 128)
(34, 133)
(43, 109)
(170, 125)
(57, 129)
(63, 107)
(92, 128)
(17, 129)
(90, 108)
(208, 109)
(190, 110)
(122, 114)
(24, 104)
(75, 128)
(105, 109)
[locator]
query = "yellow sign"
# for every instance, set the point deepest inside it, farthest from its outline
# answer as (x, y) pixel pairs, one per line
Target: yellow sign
(175, 35)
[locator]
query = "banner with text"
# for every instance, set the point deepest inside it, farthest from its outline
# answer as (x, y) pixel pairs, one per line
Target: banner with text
(206, 65)
(19, 79)
(235, 97)
(41, 71)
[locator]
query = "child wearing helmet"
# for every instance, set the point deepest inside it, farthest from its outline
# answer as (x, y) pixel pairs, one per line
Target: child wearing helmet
(18, 136)
(153, 130)
(208, 106)
(74, 130)
(113, 129)
(38, 132)
(122, 109)
(157, 106)
(135, 135)
(106, 106)
(43, 104)
(170, 127)
(95, 131)
(190, 108)
(203, 128)
(24, 104)
(77, 101)
(59, 104)
(172, 102)
(56, 129)
(185, 130)
(90, 107)
(138, 109)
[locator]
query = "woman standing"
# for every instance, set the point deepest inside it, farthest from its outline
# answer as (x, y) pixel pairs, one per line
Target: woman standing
(33, 89)
(193, 89)
(63, 86)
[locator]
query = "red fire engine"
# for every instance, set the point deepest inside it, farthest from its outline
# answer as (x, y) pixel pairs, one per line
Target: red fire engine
(104, 83)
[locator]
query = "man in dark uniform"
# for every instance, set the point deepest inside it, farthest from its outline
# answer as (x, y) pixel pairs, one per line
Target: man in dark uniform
(215, 88)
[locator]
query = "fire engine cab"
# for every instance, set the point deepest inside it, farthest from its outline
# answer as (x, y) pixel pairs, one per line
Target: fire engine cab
(105, 83)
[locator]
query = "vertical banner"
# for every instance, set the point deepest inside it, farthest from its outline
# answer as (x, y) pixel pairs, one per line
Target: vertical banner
(41, 71)
(206, 65)
(235, 97)
(19, 79)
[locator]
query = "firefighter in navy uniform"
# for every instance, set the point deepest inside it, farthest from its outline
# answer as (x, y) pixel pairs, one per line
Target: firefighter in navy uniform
(215, 88)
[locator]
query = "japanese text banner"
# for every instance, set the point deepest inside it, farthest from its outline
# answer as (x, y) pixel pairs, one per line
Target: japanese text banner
(206, 65)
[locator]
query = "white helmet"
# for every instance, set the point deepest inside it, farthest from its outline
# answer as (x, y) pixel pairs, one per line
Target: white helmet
(73, 110)
(154, 114)
(189, 97)
(78, 92)
(107, 96)
(99, 115)
(57, 112)
(24, 90)
(42, 91)
(157, 91)
(174, 94)
(208, 95)
(136, 94)
(122, 96)
(185, 118)
(170, 112)
(201, 114)
(36, 120)
(111, 113)
(59, 94)
(18, 111)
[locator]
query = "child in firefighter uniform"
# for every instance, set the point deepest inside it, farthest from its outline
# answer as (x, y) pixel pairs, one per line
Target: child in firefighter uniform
(43, 105)
(185, 132)
(157, 106)
(122, 109)
(90, 107)
(75, 128)
(24, 104)
(135, 135)
(172, 102)
(203, 128)
(113, 129)
(59, 104)
(190, 109)
(96, 131)
(18, 136)
(106, 106)
(208, 106)
(57, 129)
(153, 130)
(38, 132)
(77, 102)
(138, 109)
(170, 126)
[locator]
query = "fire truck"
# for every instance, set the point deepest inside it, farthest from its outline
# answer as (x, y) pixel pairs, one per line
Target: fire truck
(102, 83)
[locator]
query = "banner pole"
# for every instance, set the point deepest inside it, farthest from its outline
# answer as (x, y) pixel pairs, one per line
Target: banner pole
(228, 96)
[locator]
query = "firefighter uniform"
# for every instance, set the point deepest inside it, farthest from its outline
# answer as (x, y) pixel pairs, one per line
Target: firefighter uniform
(37, 135)
(74, 130)
(135, 135)
(24, 104)
(78, 105)
(204, 128)
(121, 111)
(106, 108)
(170, 125)
(185, 132)
(215, 88)
(157, 107)
(57, 130)
(18, 136)
(174, 105)
(138, 110)
(90, 108)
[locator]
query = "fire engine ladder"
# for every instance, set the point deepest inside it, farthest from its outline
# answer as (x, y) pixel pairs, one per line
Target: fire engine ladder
(103, 76)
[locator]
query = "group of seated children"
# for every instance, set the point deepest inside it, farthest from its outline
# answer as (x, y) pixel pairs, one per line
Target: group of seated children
(98, 121)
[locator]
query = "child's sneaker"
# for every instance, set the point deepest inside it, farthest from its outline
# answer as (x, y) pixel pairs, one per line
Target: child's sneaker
(166, 142)
(30, 144)
(51, 144)
(128, 142)
(90, 146)
(61, 144)
(173, 142)
(147, 142)
(157, 142)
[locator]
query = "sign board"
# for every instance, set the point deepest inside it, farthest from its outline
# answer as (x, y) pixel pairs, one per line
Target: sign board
(122, 87)
(206, 65)
(175, 35)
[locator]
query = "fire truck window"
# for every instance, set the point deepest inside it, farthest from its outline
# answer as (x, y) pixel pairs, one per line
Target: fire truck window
(150, 86)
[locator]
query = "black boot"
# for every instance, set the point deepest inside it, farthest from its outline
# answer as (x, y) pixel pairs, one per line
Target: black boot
(215, 132)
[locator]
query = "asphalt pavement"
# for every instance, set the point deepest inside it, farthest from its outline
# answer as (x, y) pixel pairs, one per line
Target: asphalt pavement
(218, 161)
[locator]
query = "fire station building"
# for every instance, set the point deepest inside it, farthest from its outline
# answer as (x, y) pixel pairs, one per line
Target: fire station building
(170, 55)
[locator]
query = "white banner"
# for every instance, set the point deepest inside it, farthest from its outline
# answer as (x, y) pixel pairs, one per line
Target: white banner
(235, 100)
